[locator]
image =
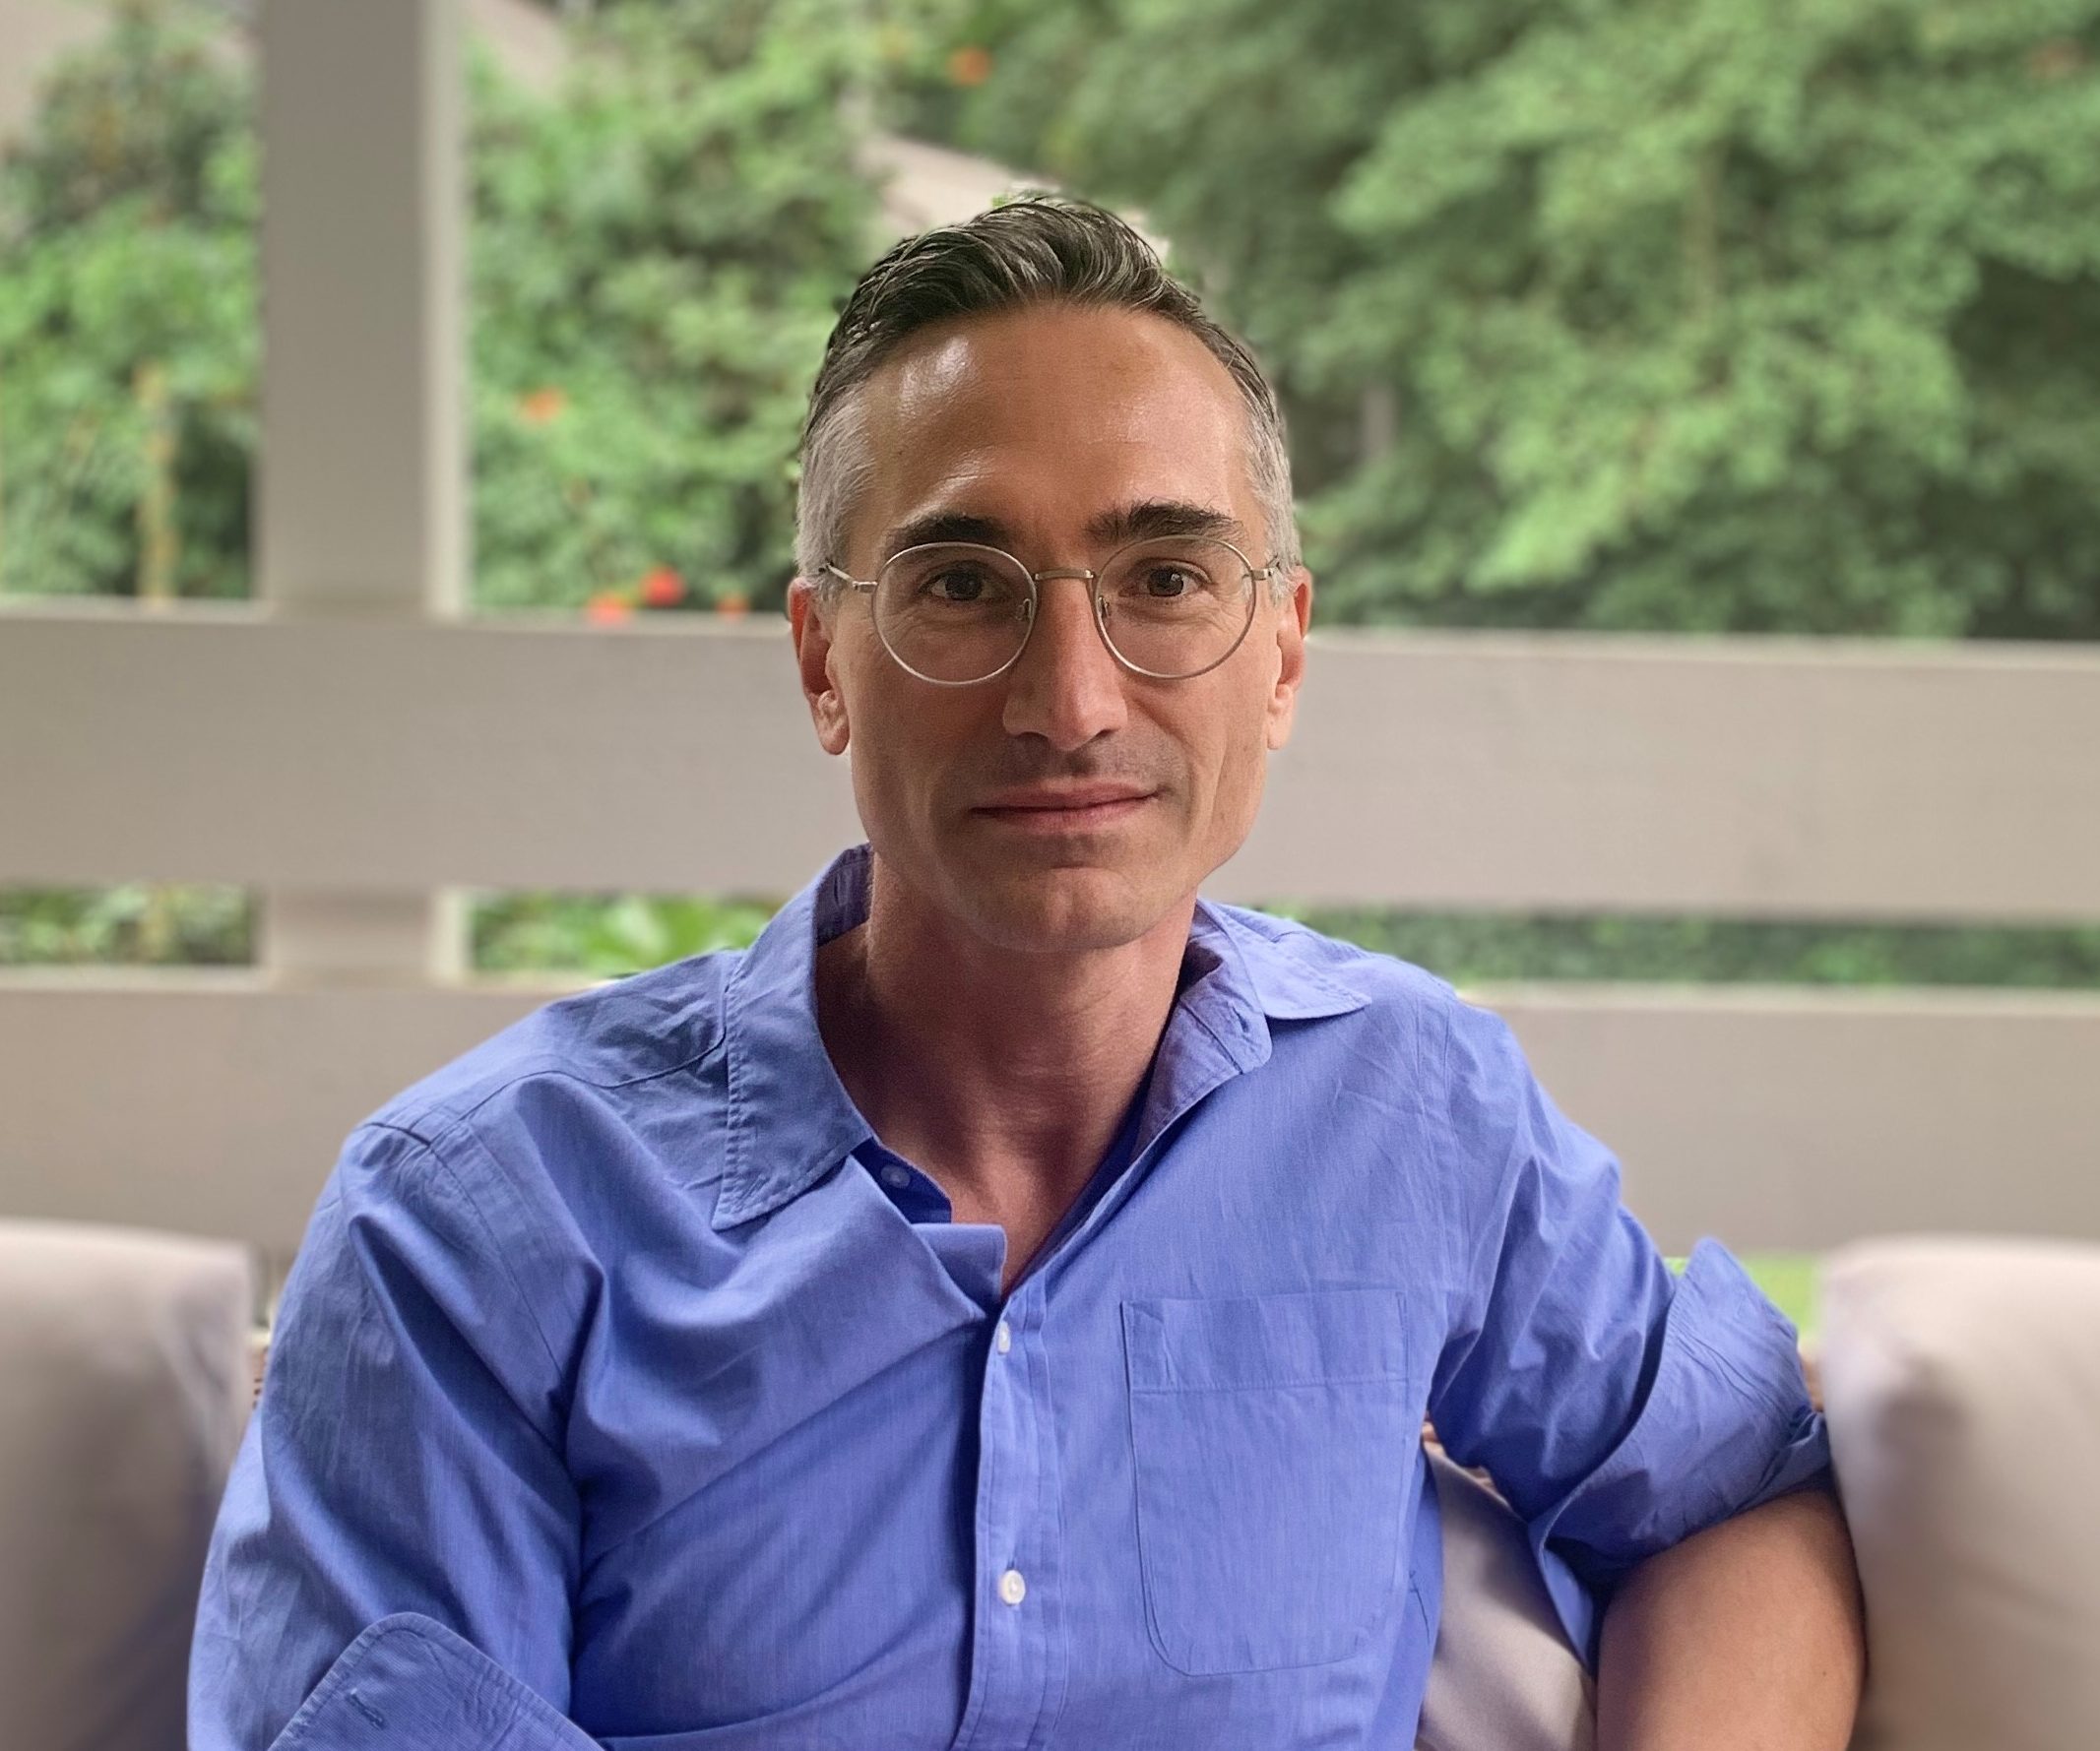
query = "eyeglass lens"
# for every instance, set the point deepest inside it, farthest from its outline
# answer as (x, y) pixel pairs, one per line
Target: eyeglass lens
(955, 612)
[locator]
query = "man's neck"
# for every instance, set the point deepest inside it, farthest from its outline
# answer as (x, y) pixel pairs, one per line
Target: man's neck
(1004, 1075)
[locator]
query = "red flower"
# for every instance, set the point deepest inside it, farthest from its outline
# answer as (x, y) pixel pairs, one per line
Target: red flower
(607, 608)
(662, 589)
(970, 66)
(733, 604)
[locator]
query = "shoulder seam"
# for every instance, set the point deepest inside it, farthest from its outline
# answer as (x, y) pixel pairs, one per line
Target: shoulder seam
(459, 1116)
(433, 1150)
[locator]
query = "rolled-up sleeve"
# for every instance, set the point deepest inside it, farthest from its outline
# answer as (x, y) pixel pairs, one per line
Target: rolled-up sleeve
(402, 1460)
(409, 1684)
(1619, 1408)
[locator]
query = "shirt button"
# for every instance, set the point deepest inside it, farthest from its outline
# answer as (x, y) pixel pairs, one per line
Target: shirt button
(1013, 1588)
(1003, 1337)
(896, 1178)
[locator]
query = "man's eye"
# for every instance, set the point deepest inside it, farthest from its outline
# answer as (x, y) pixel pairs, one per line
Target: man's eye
(1167, 581)
(958, 583)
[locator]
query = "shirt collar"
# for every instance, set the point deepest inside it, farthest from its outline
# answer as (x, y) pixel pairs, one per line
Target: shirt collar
(791, 1121)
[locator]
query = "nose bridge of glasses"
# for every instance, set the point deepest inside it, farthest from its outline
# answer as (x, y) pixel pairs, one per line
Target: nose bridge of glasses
(1035, 609)
(1065, 653)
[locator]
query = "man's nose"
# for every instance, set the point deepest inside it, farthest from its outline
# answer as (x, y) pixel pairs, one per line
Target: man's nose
(1066, 686)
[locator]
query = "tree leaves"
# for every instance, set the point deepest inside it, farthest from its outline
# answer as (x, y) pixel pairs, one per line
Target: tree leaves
(1716, 313)
(657, 254)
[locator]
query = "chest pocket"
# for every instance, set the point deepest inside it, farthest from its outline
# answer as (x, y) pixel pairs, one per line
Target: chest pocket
(1272, 1438)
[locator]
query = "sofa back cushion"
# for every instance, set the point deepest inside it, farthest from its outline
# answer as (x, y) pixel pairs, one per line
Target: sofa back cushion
(1961, 1379)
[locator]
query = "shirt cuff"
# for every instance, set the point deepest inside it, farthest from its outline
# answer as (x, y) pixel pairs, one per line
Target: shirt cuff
(1727, 1427)
(408, 1683)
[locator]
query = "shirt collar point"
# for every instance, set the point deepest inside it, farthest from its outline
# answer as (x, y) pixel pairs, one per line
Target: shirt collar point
(1282, 985)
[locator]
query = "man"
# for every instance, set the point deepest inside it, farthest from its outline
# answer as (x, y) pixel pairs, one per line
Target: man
(999, 1309)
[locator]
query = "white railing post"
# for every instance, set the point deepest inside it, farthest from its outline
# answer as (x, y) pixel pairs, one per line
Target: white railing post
(361, 508)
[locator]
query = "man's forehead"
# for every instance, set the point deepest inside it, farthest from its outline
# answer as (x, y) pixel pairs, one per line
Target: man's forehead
(1115, 356)
(1132, 414)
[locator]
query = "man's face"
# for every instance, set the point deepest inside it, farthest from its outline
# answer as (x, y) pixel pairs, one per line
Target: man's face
(1045, 432)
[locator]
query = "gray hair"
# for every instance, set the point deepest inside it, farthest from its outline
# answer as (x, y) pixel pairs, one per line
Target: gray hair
(1037, 250)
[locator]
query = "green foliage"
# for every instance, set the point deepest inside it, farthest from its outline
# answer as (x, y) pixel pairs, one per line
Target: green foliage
(133, 925)
(664, 248)
(611, 936)
(553, 932)
(1477, 949)
(127, 319)
(1659, 314)
(657, 256)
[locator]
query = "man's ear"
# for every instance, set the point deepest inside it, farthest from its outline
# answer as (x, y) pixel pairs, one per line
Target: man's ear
(812, 657)
(1294, 618)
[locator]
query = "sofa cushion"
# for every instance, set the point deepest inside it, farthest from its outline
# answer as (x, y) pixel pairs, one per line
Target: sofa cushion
(1503, 1677)
(123, 1390)
(1961, 1379)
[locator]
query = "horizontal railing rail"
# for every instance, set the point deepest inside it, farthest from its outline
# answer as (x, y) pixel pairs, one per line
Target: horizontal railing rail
(1743, 777)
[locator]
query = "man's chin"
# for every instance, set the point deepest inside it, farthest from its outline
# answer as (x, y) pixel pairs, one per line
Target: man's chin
(1065, 909)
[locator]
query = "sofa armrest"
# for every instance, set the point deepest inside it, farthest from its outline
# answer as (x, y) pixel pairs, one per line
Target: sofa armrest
(123, 1391)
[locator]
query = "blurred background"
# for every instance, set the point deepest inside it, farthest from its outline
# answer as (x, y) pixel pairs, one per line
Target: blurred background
(1696, 410)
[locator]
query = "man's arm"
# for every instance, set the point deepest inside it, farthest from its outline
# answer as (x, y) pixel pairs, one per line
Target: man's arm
(400, 1476)
(1639, 1423)
(1747, 1635)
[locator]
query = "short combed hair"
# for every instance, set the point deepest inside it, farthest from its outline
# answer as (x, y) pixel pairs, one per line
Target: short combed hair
(1040, 249)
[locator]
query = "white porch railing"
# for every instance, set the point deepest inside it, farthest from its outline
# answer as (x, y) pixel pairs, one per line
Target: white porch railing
(360, 752)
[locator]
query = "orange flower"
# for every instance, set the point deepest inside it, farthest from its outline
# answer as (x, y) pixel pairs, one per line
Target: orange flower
(662, 589)
(733, 604)
(970, 66)
(607, 608)
(543, 405)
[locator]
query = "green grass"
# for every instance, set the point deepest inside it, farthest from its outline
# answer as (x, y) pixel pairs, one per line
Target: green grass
(1787, 1279)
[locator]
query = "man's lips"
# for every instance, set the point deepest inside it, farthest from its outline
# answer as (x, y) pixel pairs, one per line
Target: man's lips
(1065, 796)
(1064, 807)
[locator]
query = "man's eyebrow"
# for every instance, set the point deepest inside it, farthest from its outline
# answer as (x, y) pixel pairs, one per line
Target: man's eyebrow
(1156, 518)
(946, 526)
(1149, 520)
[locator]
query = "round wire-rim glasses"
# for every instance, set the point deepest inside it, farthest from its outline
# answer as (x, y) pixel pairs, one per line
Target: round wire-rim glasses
(1186, 550)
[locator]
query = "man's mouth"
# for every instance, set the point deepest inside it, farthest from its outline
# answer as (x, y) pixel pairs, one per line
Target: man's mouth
(1064, 808)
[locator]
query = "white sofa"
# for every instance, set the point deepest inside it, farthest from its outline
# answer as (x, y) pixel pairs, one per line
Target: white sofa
(124, 1384)
(1961, 1379)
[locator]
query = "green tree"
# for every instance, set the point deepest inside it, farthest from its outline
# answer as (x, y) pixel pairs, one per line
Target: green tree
(127, 320)
(1699, 314)
(657, 255)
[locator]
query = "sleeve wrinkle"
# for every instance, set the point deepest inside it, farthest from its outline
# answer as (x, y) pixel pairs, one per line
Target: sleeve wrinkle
(495, 1261)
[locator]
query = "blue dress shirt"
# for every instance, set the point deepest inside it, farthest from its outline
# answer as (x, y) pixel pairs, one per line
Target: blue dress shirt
(629, 1392)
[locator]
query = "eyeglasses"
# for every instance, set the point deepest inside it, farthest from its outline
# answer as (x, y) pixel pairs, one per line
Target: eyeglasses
(955, 613)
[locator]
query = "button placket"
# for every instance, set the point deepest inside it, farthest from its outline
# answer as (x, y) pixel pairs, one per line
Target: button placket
(1012, 1661)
